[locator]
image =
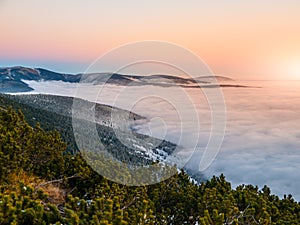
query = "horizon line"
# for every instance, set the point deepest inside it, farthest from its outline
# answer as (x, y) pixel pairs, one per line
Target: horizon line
(212, 75)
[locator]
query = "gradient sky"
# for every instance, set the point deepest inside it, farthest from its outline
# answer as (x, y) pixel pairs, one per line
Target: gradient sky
(240, 39)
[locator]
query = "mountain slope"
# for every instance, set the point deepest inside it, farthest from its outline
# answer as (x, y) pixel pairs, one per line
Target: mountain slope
(55, 112)
(13, 79)
(41, 185)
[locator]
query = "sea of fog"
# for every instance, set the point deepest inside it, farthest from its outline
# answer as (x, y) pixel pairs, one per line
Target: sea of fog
(261, 144)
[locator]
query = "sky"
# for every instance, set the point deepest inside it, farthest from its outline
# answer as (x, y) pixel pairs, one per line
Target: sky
(239, 39)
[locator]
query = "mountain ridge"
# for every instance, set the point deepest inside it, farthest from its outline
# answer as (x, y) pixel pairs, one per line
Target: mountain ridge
(12, 79)
(42, 109)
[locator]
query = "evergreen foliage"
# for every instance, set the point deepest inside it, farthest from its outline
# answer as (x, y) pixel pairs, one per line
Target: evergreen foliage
(39, 184)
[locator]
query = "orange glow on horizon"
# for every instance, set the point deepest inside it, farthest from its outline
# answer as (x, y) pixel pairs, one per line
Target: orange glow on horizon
(240, 40)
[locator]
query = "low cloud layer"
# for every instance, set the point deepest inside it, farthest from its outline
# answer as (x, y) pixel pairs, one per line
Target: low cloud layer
(262, 138)
(262, 142)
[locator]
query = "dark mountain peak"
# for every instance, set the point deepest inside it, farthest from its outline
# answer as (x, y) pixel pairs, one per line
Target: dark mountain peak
(18, 73)
(55, 76)
(12, 78)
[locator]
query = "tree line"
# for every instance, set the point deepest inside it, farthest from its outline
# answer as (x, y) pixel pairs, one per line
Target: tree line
(43, 183)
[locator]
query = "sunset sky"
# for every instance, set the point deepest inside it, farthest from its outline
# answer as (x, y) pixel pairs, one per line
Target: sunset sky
(240, 39)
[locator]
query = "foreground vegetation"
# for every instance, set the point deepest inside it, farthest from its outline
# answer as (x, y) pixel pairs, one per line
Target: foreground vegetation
(55, 113)
(42, 184)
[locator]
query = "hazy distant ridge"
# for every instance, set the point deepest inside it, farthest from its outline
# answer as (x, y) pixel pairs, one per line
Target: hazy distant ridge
(12, 79)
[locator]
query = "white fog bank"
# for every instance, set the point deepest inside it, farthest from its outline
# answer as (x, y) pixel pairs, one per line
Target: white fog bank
(262, 139)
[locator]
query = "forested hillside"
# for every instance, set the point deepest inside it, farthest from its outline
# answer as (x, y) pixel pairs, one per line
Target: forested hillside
(40, 183)
(55, 113)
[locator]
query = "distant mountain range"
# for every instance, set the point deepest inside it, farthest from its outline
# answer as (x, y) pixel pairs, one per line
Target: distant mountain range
(13, 79)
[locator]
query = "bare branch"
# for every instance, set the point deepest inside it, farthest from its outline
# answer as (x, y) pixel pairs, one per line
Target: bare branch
(55, 181)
